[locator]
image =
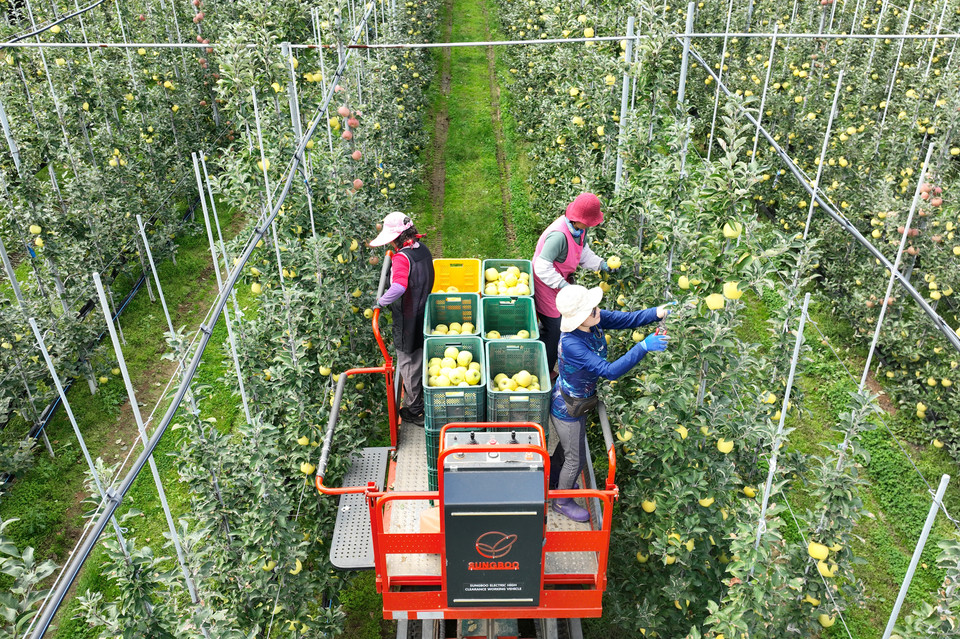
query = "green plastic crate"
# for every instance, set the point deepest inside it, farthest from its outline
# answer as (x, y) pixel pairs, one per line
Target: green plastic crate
(508, 316)
(510, 357)
(525, 266)
(432, 430)
(446, 308)
(446, 404)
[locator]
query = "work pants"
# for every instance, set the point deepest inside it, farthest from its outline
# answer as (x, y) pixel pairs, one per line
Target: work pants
(410, 366)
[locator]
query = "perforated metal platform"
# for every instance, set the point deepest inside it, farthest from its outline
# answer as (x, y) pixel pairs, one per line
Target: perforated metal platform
(352, 545)
(411, 475)
(569, 563)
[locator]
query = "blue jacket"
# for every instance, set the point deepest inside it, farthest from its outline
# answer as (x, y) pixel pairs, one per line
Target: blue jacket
(583, 357)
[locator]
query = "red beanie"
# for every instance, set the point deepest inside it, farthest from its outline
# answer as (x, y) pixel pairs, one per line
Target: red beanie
(585, 208)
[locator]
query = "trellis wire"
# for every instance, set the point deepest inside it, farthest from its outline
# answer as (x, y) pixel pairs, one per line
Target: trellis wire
(942, 326)
(486, 43)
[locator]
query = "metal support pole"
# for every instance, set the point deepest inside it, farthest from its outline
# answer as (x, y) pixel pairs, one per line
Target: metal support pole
(896, 267)
(14, 149)
(12, 276)
(893, 74)
(226, 313)
(912, 568)
(156, 276)
(762, 526)
(135, 408)
(76, 430)
(624, 95)
(823, 152)
(681, 90)
(933, 47)
(716, 97)
(323, 72)
(766, 84)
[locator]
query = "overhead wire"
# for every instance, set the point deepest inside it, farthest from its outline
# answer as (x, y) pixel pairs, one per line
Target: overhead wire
(479, 43)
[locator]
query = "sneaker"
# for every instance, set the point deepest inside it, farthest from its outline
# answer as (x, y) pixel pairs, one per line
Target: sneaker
(569, 509)
(411, 417)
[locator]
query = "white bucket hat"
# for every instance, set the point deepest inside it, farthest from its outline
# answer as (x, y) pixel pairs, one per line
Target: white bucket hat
(575, 304)
(393, 225)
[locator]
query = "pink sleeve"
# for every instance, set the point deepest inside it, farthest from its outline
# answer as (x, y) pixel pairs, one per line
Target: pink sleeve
(401, 269)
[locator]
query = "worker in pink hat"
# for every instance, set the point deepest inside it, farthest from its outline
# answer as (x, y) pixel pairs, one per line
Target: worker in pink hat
(410, 283)
(561, 249)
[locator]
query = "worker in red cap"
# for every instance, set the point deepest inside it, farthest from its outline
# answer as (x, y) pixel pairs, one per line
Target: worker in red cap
(410, 284)
(561, 249)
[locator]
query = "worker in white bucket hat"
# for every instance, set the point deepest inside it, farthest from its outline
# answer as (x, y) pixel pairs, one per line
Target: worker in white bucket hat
(582, 361)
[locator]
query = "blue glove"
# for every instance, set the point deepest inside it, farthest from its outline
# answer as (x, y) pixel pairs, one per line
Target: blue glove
(655, 343)
(604, 267)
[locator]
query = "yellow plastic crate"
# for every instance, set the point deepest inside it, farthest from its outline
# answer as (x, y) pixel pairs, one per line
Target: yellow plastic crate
(463, 275)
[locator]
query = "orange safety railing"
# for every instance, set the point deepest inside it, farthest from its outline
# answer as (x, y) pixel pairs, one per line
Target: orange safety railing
(387, 370)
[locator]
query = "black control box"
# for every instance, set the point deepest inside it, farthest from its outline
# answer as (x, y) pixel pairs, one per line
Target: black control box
(494, 521)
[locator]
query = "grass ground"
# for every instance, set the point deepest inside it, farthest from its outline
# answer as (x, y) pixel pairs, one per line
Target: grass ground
(47, 497)
(895, 497)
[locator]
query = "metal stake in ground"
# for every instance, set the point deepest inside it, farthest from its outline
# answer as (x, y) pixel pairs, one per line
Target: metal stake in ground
(226, 313)
(76, 430)
(135, 408)
(11, 275)
(912, 568)
(823, 152)
(766, 84)
(685, 62)
(762, 526)
(716, 97)
(156, 276)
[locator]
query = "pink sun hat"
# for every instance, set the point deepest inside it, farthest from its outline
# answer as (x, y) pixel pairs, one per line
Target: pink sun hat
(393, 225)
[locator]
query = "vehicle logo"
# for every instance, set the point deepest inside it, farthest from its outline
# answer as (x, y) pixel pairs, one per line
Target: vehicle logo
(494, 545)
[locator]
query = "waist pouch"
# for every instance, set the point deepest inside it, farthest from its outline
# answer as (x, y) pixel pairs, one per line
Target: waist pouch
(579, 406)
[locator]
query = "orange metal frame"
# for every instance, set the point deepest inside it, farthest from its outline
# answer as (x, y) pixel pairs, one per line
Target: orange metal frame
(425, 596)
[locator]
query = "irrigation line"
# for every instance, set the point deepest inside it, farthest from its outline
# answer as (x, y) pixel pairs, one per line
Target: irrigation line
(844, 223)
(55, 23)
(42, 621)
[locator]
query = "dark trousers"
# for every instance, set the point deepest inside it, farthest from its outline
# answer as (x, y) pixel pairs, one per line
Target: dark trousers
(550, 336)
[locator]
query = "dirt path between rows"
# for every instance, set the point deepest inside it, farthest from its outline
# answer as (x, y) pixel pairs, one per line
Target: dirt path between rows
(437, 177)
(502, 164)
